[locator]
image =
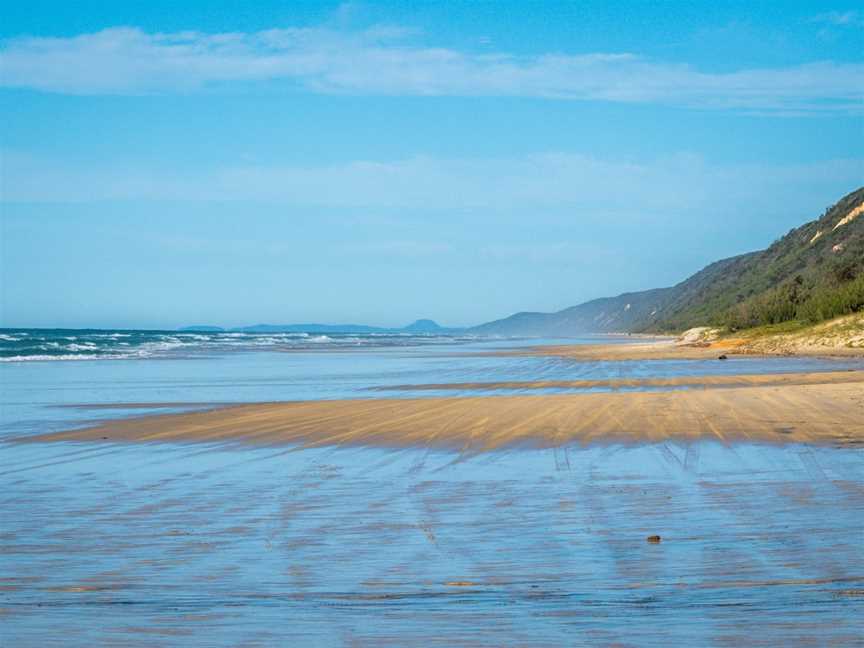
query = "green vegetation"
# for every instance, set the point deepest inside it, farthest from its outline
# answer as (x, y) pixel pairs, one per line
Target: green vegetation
(842, 300)
(769, 330)
(814, 273)
(792, 302)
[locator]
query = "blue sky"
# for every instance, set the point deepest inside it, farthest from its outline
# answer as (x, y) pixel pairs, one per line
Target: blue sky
(240, 162)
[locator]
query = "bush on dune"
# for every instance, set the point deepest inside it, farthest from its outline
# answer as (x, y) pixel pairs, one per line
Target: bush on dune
(795, 301)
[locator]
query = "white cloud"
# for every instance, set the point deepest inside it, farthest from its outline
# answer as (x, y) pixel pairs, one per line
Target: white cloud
(383, 61)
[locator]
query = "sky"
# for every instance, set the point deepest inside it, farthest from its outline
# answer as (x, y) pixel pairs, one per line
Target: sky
(229, 163)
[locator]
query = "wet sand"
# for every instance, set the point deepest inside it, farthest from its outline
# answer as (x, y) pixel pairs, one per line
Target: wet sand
(658, 350)
(824, 409)
(165, 545)
(632, 518)
(735, 380)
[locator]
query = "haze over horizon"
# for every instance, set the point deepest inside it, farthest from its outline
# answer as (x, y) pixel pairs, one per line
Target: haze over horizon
(165, 166)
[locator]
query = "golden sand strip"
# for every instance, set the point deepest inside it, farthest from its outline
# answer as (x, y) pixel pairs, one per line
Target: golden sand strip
(743, 380)
(669, 350)
(828, 413)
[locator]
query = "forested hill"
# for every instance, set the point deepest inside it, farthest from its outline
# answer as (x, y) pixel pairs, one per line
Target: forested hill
(814, 272)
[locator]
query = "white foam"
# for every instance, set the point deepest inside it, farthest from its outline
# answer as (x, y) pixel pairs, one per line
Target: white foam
(72, 356)
(109, 346)
(87, 346)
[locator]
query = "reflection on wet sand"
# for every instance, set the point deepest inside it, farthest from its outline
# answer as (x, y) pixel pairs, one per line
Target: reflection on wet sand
(150, 545)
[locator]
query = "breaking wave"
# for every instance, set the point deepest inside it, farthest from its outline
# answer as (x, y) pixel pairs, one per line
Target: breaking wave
(32, 345)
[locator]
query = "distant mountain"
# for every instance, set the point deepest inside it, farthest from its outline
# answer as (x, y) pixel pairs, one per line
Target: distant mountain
(425, 326)
(629, 312)
(814, 272)
(421, 326)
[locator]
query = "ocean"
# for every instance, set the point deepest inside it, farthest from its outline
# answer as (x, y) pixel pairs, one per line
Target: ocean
(27, 345)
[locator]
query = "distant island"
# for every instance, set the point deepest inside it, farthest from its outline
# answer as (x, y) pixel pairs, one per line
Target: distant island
(418, 327)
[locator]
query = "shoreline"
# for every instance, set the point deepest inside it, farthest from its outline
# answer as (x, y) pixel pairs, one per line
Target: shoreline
(841, 337)
(670, 350)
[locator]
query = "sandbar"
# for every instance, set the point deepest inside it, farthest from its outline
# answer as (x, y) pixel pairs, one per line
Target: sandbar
(734, 380)
(825, 409)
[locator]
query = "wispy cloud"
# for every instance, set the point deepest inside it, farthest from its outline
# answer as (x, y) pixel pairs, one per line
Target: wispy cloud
(386, 61)
(840, 18)
(482, 187)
